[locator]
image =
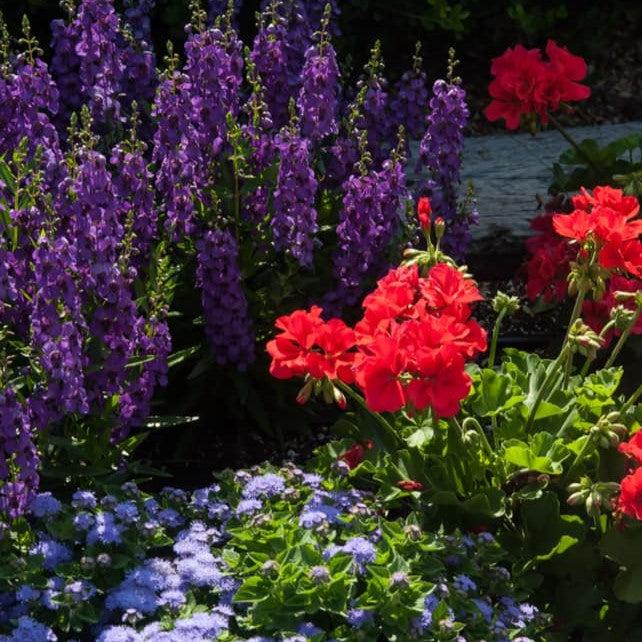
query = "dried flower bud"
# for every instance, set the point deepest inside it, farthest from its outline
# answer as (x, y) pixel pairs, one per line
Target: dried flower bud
(412, 532)
(270, 568)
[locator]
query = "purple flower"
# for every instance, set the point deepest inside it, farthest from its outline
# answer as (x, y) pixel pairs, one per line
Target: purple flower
(361, 550)
(227, 321)
(52, 552)
(267, 485)
(28, 630)
(84, 499)
(44, 505)
(294, 224)
(368, 220)
(318, 514)
(27, 593)
(126, 511)
(440, 153)
(464, 584)
(409, 106)
(248, 507)
(105, 530)
(119, 634)
(317, 100)
(358, 618)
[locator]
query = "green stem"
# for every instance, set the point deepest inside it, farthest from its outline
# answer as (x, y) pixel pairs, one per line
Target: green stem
(495, 337)
(623, 338)
(589, 360)
(390, 431)
(632, 399)
(573, 143)
(578, 458)
(577, 309)
(478, 427)
(541, 393)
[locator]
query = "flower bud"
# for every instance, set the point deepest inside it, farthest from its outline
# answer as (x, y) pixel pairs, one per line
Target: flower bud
(304, 394)
(577, 498)
(399, 580)
(103, 559)
(270, 568)
(424, 210)
(339, 398)
(440, 228)
(412, 532)
(621, 316)
(320, 574)
(503, 301)
(87, 562)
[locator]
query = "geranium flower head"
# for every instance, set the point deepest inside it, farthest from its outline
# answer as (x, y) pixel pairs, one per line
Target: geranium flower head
(576, 226)
(626, 256)
(290, 349)
(633, 447)
(334, 360)
(606, 196)
(630, 500)
(526, 84)
(447, 289)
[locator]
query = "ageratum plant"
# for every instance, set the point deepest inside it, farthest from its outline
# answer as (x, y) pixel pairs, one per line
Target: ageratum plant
(268, 554)
(527, 447)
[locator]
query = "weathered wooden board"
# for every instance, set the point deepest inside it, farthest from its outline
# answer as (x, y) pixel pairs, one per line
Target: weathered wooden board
(509, 170)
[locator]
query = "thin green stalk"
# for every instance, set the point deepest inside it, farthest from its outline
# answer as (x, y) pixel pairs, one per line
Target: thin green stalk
(623, 338)
(589, 360)
(632, 399)
(495, 337)
(577, 309)
(576, 462)
(541, 393)
(390, 431)
(562, 130)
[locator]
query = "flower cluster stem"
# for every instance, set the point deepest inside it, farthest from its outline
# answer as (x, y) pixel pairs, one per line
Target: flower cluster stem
(573, 143)
(623, 338)
(360, 401)
(495, 337)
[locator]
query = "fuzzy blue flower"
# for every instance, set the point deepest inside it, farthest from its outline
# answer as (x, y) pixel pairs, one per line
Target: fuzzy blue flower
(44, 505)
(268, 485)
(105, 530)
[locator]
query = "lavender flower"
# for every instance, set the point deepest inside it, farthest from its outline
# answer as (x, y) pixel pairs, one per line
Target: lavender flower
(410, 102)
(227, 322)
(317, 100)
(440, 153)
(295, 219)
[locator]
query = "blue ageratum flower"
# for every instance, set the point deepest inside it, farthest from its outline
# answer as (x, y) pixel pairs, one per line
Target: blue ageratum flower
(44, 505)
(268, 485)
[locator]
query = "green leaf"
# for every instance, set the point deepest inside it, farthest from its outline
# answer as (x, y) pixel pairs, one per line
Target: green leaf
(625, 547)
(494, 393)
(420, 437)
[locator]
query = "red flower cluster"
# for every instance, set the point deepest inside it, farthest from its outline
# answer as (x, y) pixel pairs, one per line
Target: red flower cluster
(527, 84)
(630, 501)
(606, 220)
(309, 345)
(409, 349)
(414, 338)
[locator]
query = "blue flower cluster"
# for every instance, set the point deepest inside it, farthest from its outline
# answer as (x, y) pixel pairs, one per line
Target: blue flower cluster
(232, 560)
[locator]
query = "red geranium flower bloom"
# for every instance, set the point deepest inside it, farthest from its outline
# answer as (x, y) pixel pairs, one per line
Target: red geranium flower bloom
(547, 270)
(517, 74)
(447, 290)
(410, 485)
(630, 501)
(577, 225)
(440, 382)
(607, 196)
(290, 349)
(378, 374)
(526, 84)
(335, 340)
(633, 447)
(623, 256)
(612, 226)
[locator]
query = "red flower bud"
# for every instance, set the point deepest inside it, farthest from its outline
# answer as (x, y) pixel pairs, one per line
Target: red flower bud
(356, 454)
(409, 485)
(424, 210)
